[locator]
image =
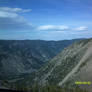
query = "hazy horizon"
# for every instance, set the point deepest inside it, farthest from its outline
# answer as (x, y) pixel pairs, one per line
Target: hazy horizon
(42, 39)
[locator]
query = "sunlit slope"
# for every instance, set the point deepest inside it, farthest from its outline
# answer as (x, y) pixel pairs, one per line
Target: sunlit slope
(83, 71)
(60, 69)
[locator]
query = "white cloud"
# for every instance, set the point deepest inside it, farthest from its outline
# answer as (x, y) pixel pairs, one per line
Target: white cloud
(12, 12)
(10, 19)
(52, 27)
(81, 28)
(8, 9)
(8, 14)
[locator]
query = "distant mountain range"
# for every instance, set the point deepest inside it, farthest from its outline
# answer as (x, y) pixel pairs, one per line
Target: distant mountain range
(26, 56)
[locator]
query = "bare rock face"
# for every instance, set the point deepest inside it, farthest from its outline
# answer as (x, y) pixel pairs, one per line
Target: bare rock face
(83, 70)
(73, 64)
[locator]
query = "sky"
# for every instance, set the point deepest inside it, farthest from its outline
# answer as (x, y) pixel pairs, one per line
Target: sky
(45, 19)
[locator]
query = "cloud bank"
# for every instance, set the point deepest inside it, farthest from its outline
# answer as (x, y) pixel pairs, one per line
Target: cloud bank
(12, 22)
(11, 19)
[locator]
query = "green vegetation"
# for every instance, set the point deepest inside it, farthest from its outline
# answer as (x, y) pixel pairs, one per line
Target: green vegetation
(47, 88)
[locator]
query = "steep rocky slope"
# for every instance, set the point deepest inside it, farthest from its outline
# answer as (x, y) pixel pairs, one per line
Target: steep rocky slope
(71, 65)
(26, 56)
(83, 70)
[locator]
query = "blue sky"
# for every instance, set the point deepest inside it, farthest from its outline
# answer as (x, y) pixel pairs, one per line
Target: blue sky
(45, 19)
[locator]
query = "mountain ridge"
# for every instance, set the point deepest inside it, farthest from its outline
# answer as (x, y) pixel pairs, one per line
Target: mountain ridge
(26, 56)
